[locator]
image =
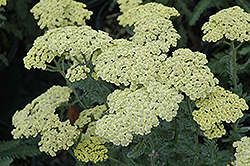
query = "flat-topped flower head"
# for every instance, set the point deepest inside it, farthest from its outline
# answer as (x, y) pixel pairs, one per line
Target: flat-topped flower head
(90, 149)
(59, 13)
(91, 146)
(137, 111)
(219, 106)
(39, 117)
(152, 27)
(232, 23)
(157, 34)
(125, 62)
(3, 2)
(125, 5)
(148, 11)
(187, 72)
(76, 43)
(242, 152)
(59, 137)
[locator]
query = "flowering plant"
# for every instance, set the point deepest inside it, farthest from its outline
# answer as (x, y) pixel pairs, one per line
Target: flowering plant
(140, 96)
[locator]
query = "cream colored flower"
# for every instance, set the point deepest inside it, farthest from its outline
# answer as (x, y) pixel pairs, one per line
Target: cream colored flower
(77, 72)
(76, 43)
(232, 23)
(125, 62)
(219, 106)
(59, 13)
(148, 11)
(187, 72)
(156, 34)
(152, 26)
(137, 111)
(91, 147)
(39, 118)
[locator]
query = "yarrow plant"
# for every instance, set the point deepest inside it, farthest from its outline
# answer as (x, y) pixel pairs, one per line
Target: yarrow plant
(140, 96)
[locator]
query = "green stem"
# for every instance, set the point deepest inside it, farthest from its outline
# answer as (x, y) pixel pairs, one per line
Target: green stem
(69, 83)
(176, 131)
(194, 125)
(234, 70)
(152, 149)
(117, 161)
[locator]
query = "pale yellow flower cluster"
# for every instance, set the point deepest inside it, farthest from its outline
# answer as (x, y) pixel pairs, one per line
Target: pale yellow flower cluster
(38, 118)
(152, 26)
(232, 23)
(187, 72)
(125, 5)
(59, 13)
(77, 72)
(125, 62)
(242, 152)
(76, 43)
(91, 147)
(3, 2)
(219, 106)
(148, 11)
(58, 136)
(158, 33)
(137, 111)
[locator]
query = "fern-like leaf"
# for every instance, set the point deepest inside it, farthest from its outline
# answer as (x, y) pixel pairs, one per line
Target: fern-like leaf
(19, 149)
(198, 10)
(244, 4)
(7, 145)
(5, 161)
(137, 151)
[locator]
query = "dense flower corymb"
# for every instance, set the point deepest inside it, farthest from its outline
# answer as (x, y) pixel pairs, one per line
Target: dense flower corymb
(232, 23)
(58, 13)
(137, 111)
(38, 117)
(91, 147)
(152, 26)
(157, 33)
(147, 11)
(187, 72)
(77, 43)
(219, 106)
(242, 152)
(125, 62)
